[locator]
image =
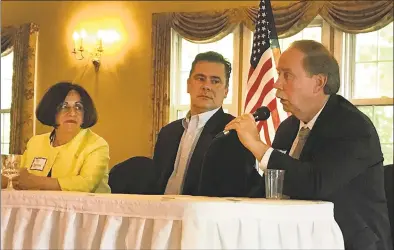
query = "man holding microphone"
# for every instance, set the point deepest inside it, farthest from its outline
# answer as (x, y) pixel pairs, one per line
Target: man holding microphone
(332, 150)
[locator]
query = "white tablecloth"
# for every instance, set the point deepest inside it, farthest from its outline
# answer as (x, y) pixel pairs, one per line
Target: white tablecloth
(67, 220)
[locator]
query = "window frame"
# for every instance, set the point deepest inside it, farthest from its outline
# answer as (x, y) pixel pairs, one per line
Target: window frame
(348, 75)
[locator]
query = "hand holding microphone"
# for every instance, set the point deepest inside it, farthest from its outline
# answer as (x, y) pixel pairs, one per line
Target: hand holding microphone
(261, 114)
(247, 131)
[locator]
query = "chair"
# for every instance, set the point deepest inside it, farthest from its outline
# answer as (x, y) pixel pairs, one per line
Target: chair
(388, 185)
(136, 175)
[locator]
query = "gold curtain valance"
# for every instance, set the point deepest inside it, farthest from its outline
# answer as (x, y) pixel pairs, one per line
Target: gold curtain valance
(358, 16)
(290, 18)
(205, 26)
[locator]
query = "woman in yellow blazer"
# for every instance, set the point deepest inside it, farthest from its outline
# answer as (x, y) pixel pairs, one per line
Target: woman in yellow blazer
(71, 157)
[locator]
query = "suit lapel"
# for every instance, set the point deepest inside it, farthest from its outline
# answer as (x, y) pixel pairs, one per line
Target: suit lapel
(284, 140)
(172, 144)
(210, 130)
(214, 125)
(319, 127)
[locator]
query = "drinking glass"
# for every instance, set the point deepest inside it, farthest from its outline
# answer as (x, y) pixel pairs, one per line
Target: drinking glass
(10, 166)
(274, 183)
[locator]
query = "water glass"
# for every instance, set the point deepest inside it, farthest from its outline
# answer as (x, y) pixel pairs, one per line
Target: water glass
(10, 166)
(274, 183)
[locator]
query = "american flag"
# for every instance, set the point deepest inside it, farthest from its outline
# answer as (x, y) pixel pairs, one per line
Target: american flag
(262, 73)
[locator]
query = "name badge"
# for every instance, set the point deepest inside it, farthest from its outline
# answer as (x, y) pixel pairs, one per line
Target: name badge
(38, 163)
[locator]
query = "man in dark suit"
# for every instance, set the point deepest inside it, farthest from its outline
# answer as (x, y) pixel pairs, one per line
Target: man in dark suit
(182, 144)
(332, 149)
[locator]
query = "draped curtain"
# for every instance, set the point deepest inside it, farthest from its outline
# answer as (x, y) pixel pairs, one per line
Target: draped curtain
(7, 39)
(290, 18)
(22, 40)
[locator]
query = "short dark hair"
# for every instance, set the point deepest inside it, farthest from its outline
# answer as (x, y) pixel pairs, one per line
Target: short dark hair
(212, 56)
(318, 60)
(47, 109)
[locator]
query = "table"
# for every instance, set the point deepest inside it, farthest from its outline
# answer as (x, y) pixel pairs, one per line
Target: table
(69, 220)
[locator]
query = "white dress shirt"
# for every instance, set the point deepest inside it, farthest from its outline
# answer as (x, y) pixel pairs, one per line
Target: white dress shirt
(264, 161)
(193, 128)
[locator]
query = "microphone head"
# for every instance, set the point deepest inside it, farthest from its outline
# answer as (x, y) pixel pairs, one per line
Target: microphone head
(261, 114)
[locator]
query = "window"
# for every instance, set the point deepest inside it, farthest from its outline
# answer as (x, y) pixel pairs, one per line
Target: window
(6, 97)
(183, 55)
(370, 82)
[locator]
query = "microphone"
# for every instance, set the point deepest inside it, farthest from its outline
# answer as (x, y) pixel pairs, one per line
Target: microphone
(261, 114)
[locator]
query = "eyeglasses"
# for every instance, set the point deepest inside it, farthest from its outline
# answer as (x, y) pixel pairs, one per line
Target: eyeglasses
(65, 108)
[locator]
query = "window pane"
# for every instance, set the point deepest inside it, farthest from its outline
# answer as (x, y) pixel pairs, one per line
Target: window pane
(226, 47)
(285, 43)
(181, 114)
(229, 98)
(387, 150)
(6, 80)
(207, 47)
(373, 74)
(188, 53)
(383, 120)
(309, 33)
(367, 110)
(5, 132)
(385, 79)
(6, 97)
(6, 127)
(366, 47)
(365, 79)
(386, 43)
(184, 97)
(2, 127)
(312, 33)
(382, 117)
(5, 148)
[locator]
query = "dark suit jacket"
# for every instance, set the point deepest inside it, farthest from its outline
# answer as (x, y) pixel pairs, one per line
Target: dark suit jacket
(167, 147)
(229, 169)
(136, 175)
(341, 162)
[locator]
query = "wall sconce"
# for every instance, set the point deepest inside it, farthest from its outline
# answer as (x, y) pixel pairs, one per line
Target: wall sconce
(80, 50)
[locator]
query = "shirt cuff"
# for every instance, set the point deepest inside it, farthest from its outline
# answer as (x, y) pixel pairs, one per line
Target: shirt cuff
(264, 161)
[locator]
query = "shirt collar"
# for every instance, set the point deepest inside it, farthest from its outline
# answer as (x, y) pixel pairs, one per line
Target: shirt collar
(202, 118)
(311, 123)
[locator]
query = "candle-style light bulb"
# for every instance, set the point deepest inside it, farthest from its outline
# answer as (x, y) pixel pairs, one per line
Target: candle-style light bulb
(83, 36)
(100, 39)
(75, 38)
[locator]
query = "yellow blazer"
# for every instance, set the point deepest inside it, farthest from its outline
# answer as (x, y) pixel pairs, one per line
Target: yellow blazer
(80, 165)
